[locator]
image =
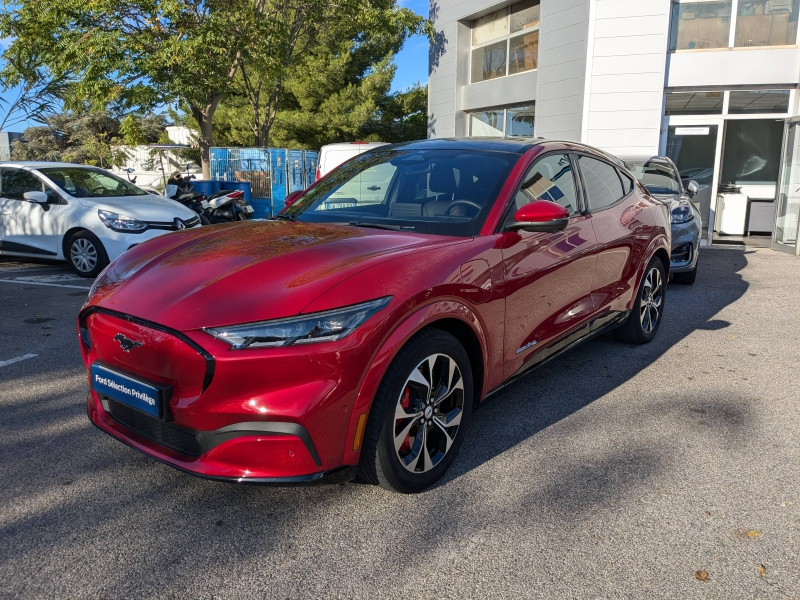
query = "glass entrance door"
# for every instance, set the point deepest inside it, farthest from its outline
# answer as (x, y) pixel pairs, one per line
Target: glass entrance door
(787, 213)
(693, 149)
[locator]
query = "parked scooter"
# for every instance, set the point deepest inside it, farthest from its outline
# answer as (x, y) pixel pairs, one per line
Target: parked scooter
(223, 206)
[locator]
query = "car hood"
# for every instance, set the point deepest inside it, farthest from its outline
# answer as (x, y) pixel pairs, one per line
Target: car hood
(244, 272)
(144, 208)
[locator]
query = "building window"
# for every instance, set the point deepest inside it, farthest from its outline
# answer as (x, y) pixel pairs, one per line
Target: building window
(762, 101)
(505, 42)
(698, 25)
(701, 24)
(514, 121)
(694, 103)
(766, 23)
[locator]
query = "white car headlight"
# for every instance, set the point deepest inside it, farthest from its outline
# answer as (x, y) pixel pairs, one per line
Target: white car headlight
(324, 326)
(682, 213)
(119, 222)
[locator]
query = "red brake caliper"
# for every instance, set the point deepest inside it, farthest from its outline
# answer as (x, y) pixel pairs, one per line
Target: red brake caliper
(405, 402)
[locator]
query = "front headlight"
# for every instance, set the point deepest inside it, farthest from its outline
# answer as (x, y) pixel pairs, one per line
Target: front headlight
(303, 329)
(681, 214)
(119, 222)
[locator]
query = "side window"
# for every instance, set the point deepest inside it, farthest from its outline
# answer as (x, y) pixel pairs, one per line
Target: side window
(603, 185)
(627, 183)
(16, 182)
(550, 178)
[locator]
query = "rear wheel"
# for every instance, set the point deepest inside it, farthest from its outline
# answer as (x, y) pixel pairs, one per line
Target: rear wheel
(645, 318)
(419, 416)
(86, 254)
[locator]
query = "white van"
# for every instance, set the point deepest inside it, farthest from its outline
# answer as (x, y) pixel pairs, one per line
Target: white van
(332, 155)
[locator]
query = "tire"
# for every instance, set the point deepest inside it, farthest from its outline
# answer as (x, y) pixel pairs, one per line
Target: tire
(397, 453)
(204, 220)
(645, 318)
(86, 254)
(685, 278)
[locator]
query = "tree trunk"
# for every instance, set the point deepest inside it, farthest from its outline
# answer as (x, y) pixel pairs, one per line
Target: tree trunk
(205, 116)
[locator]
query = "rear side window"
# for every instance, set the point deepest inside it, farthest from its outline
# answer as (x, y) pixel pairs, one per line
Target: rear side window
(550, 178)
(16, 182)
(603, 184)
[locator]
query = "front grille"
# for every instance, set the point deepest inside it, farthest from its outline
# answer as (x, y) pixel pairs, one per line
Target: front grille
(168, 435)
(171, 226)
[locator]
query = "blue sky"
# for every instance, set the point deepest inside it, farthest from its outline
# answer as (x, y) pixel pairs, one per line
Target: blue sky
(412, 60)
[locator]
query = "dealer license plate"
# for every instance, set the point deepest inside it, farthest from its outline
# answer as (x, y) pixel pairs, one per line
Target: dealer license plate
(128, 390)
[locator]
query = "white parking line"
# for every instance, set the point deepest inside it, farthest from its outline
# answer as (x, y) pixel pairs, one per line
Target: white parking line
(11, 361)
(23, 282)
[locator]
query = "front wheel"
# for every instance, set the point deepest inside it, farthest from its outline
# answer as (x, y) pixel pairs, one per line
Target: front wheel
(419, 415)
(645, 317)
(86, 254)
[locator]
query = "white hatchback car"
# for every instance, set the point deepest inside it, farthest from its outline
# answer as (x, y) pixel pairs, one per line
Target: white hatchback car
(84, 215)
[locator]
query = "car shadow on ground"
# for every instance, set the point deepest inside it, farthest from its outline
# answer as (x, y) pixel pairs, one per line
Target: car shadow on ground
(574, 380)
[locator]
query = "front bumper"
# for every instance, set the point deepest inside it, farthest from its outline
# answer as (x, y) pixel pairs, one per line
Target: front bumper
(275, 415)
(685, 246)
(228, 454)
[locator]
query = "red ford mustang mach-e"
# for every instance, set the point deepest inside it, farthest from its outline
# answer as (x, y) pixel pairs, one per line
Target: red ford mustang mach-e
(358, 330)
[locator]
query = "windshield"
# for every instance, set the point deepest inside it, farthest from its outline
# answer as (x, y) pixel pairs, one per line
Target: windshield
(443, 192)
(658, 178)
(88, 182)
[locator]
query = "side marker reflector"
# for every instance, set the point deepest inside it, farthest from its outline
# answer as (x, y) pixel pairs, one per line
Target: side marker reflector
(359, 431)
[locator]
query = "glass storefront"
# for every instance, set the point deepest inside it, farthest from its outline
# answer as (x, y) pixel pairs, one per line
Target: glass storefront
(787, 221)
(693, 150)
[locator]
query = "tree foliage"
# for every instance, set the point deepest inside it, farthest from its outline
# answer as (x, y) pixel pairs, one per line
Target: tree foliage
(91, 138)
(142, 53)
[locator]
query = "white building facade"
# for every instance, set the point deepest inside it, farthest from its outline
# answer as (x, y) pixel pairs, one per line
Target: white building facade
(710, 83)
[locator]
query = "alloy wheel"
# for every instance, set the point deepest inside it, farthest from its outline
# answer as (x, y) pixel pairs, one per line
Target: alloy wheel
(652, 297)
(428, 413)
(83, 255)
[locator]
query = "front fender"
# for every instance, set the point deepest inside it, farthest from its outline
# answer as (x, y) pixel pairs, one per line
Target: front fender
(422, 317)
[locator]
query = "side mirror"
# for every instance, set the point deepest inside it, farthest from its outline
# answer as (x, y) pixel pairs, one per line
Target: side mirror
(692, 188)
(293, 197)
(36, 197)
(130, 170)
(540, 215)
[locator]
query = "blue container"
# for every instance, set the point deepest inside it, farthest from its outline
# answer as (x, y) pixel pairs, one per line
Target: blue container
(205, 186)
(262, 208)
(278, 173)
(311, 159)
(219, 163)
(296, 169)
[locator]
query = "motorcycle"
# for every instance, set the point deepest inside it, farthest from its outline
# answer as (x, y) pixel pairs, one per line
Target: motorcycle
(224, 206)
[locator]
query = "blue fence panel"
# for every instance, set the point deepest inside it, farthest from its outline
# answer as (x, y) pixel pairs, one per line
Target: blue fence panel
(296, 171)
(279, 181)
(219, 162)
(271, 173)
(311, 159)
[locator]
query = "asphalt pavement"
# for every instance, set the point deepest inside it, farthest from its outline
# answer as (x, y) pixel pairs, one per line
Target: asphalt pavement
(670, 470)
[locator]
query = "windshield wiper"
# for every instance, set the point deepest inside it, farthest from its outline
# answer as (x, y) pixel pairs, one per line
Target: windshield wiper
(379, 226)
(287, 217)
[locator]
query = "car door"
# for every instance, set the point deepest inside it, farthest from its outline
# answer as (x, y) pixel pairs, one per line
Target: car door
(619, 219)
(28, 227)
(548, 276)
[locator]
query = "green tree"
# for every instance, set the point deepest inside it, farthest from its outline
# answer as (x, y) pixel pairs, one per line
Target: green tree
(142, 53)
(35, 93)
(91, 138)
